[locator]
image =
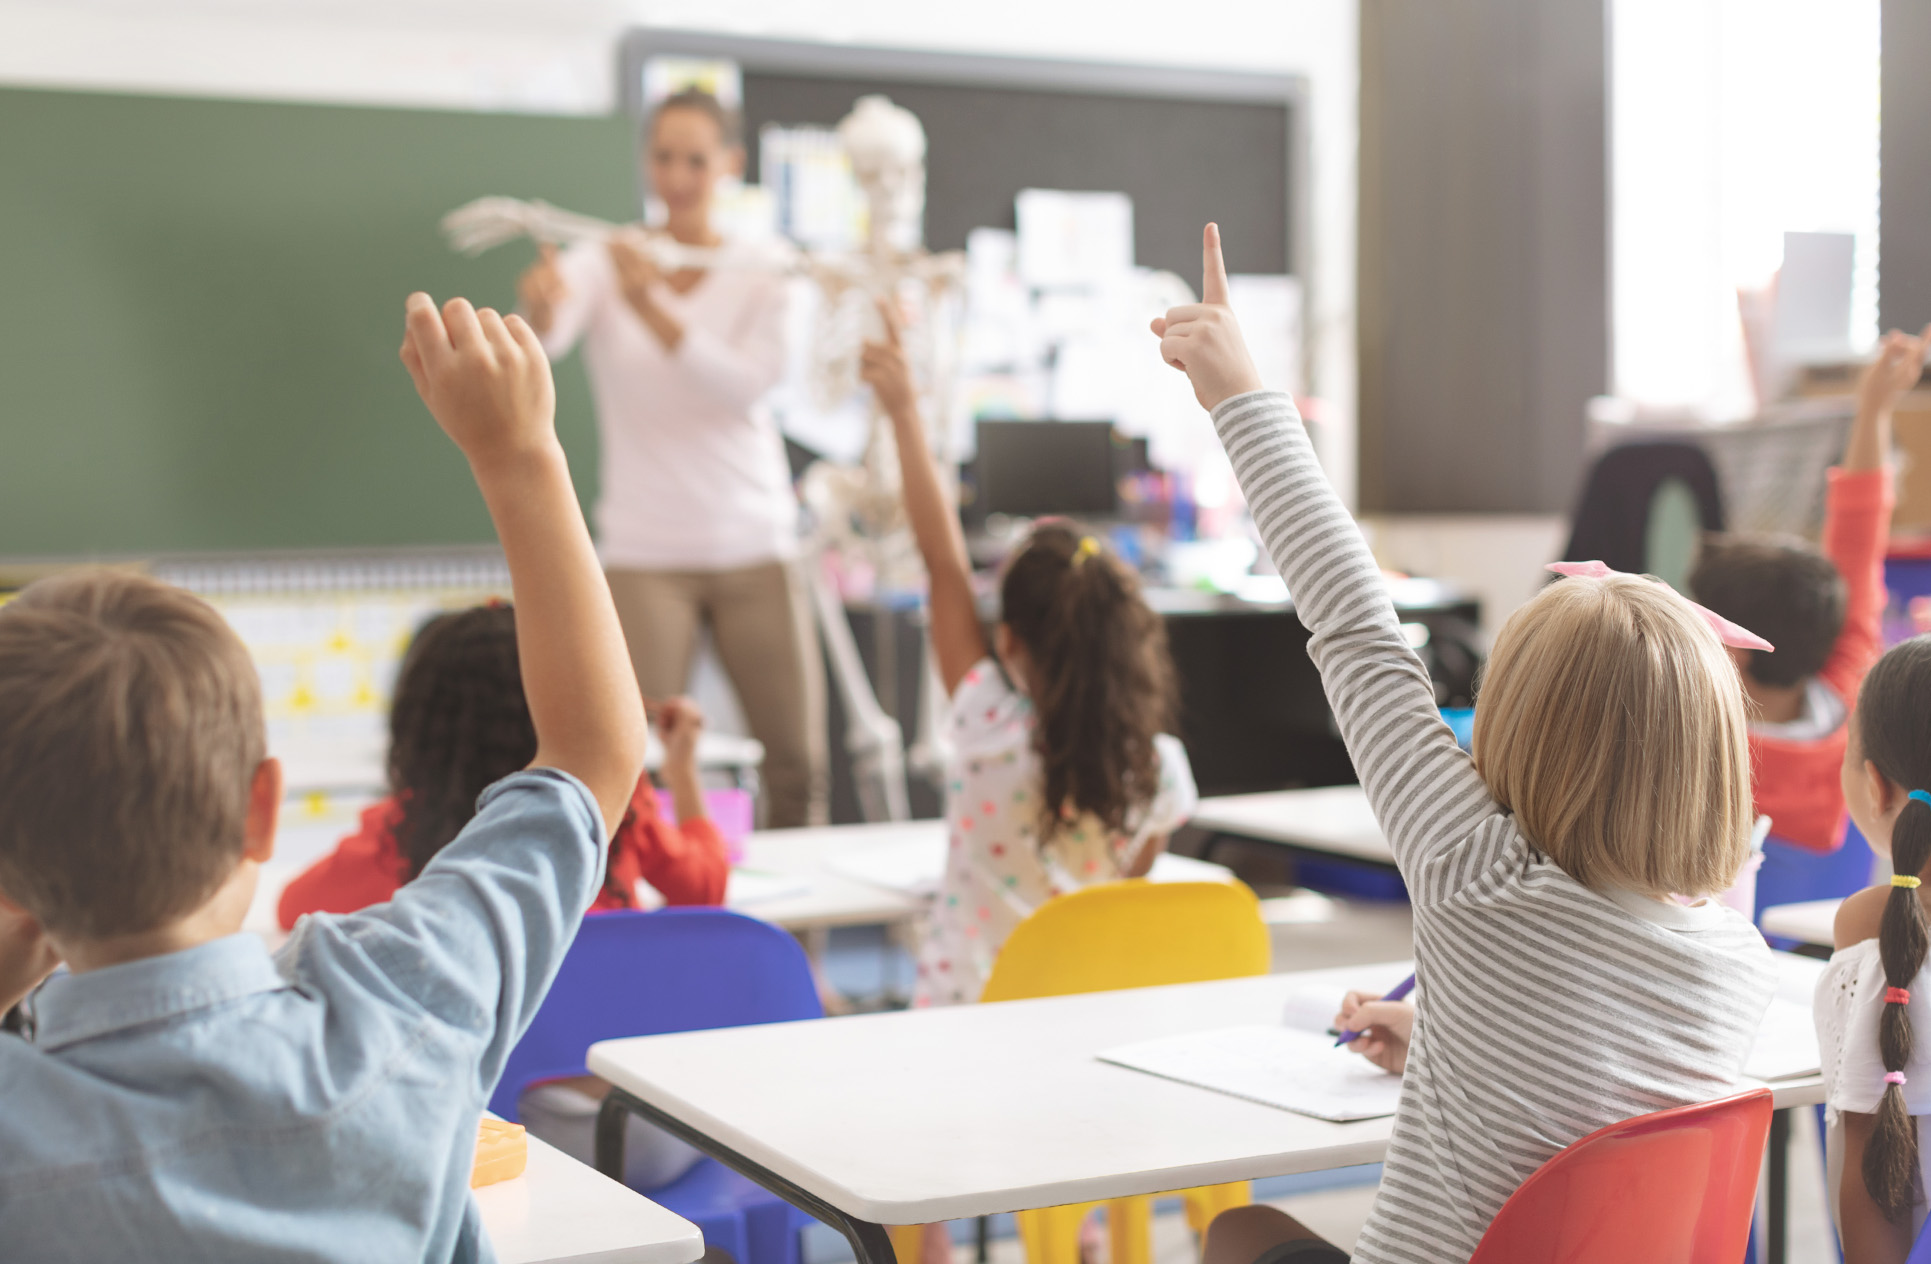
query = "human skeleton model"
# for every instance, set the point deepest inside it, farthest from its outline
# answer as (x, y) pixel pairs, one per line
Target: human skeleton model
(855, 509)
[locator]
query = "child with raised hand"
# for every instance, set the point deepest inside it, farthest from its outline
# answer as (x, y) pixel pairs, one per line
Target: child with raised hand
(1822, 610)
(183, 1094)
(459, 724)
(1564, 987)
(1873, 1022)
(1063, 773)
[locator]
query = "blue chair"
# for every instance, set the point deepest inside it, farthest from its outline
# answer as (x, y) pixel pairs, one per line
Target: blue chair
(1792, 874)
(678, 969)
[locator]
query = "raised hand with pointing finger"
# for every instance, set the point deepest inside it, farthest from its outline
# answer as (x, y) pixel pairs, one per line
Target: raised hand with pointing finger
(1203, 339)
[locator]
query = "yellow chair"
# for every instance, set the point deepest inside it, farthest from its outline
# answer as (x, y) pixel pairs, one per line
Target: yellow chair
(1127, 935)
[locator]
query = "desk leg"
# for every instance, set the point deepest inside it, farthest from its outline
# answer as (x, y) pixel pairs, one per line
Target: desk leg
(1777, 1198)
(869, 1242)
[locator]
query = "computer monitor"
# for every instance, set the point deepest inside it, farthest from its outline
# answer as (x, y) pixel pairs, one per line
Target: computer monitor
(1031, 468)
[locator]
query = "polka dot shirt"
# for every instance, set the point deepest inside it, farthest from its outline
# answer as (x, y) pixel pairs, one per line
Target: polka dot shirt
(996, 872)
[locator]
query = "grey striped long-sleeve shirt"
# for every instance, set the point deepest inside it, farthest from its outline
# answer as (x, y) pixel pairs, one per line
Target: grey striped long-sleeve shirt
(1550, 1010)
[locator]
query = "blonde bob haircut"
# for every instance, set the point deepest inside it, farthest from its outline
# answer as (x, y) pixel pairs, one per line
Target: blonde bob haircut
(1611, 723)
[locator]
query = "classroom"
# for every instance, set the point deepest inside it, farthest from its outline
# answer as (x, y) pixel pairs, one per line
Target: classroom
(635, 632)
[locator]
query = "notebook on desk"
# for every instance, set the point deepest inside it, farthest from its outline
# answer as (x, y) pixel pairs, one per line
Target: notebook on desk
(1284, 1067)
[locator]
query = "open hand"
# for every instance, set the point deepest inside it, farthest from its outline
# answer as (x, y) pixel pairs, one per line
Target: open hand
(541, 288)
(1203, 339)
(884, 368)
(1384, 1026)
(1899, 364)
(484, 377)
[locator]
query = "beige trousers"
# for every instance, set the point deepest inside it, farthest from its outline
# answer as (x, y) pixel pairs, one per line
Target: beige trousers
(760, 620)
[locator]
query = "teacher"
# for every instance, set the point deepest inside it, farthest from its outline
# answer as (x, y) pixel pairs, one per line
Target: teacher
(696, 519)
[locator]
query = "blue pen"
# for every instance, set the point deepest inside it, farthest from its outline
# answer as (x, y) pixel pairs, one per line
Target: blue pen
(1402, 989)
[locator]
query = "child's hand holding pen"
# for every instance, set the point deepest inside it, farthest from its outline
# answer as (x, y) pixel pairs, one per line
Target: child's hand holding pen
(1384, 1027)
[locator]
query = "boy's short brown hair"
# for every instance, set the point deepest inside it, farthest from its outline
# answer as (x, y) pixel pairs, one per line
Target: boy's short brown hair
(1780, 588)
(130, 731)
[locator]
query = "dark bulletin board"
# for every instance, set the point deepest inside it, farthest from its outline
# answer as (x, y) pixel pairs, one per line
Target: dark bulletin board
(1188, 146)
(1183, 162)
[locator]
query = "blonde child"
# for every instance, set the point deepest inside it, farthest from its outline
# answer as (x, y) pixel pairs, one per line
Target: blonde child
(1873, 1022)
(1565, 988)
(184, 1095)
(1063, 775)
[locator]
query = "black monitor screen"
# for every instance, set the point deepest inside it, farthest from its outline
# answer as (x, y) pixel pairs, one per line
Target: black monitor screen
(1030, 468)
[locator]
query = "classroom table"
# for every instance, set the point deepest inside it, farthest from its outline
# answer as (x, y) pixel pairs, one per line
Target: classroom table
(1812, 923)
(946, 1113)
(562, 1211)
(1328, 821)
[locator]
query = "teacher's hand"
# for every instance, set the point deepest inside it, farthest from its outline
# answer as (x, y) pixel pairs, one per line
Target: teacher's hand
(637, 279)
(540, 289)
(637, 273)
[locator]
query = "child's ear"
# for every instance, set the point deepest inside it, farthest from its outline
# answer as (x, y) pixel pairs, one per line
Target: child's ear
(264, 810)
(1885, 797)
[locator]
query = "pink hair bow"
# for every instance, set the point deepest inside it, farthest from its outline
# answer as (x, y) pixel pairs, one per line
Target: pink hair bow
(1727, 632)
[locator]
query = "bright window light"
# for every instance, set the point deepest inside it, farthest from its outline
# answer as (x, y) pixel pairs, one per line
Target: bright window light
(1733, 122)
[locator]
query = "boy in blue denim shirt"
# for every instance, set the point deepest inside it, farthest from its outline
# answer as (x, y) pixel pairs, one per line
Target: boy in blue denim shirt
(182, 1094)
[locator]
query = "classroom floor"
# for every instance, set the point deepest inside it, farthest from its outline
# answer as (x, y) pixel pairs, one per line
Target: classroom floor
(1310, 931)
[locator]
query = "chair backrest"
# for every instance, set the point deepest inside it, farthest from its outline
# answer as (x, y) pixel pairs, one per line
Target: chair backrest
(1675, 1187)
(1132, 934)
(1618, 521)
(643, 974)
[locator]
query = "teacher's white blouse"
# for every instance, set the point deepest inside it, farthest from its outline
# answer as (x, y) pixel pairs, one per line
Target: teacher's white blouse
(693, 473)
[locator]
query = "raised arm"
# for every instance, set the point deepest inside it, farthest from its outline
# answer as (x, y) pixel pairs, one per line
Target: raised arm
(487, 381)
(957, 640)
(1424, 790)
(1899, 364)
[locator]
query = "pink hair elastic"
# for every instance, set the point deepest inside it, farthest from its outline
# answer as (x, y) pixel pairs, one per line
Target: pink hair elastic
(1897, 996)
(1894, 1077)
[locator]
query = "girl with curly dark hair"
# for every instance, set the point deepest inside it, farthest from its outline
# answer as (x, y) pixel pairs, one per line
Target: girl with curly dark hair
(459, 723)
(1063, 772)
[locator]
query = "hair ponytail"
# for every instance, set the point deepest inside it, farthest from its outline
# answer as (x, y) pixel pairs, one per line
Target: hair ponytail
(1102, 682)
(1893, 721)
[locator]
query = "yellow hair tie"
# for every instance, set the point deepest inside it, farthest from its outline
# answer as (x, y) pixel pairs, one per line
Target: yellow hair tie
(1088, 547)
(1903, 880)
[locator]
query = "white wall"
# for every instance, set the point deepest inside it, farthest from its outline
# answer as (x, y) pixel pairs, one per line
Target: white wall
(559, 56)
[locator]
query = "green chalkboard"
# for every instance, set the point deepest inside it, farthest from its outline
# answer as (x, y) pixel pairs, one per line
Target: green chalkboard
(200, 304)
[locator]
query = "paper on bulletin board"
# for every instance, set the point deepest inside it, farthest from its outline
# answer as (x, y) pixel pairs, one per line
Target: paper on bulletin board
(1073, 240)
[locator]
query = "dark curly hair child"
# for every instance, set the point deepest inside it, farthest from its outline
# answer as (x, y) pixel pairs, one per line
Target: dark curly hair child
(459, 723)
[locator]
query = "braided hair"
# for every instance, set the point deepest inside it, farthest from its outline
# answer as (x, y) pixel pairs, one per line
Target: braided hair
(1102, 680)
(1894, 726)
(459, 723)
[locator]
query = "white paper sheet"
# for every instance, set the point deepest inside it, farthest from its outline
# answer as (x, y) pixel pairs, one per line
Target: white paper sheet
(751, 887)
(1275, 1066)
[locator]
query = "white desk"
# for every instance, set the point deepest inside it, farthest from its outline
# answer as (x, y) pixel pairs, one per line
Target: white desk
(560, 1210)
(879, 874)
(1330, 820)
(1812, 922)
(825, 896)
(939, 1114)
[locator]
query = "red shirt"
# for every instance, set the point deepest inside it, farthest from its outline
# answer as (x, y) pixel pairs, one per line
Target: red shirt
(685, 862)
(1799, 784)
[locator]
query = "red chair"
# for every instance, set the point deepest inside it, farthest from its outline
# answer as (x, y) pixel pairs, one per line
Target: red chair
(1676, 1187)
